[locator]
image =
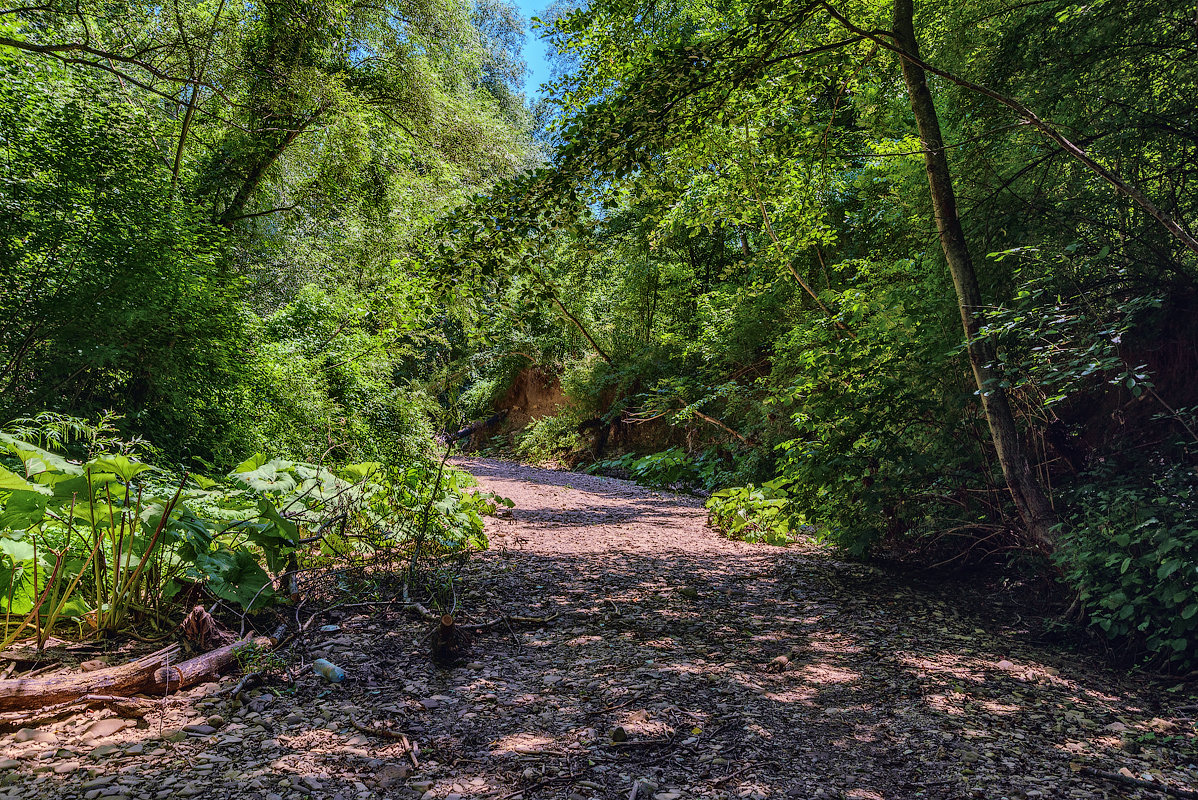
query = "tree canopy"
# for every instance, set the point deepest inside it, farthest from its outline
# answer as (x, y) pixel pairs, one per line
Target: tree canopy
(913, 279)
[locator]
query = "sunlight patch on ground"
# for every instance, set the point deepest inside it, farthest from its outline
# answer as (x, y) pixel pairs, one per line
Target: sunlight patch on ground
(522, 744)
(826, 673)
(945, 704)
(944, 665)
(995, 707)
(799, 694)
(832, 643)
(580, 641)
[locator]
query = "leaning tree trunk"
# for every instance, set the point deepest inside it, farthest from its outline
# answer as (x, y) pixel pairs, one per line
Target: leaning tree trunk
(1034, 509)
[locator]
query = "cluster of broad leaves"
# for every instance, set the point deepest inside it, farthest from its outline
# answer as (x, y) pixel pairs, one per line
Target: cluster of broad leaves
(112, 540)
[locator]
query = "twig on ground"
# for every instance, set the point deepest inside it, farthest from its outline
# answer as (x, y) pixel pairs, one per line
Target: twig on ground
(537, 785)
(1115, 777)
(629, 701)
(382, 733)
(732, 775)
(241, 685)
(510, 620)
(640, 743)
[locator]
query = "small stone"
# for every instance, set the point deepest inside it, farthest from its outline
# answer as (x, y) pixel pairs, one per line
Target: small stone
(778, 664)
(93, 664)
(9, 763)
(199, 730)
(1005, 665)
(430, 703)
(104, 750)
(105, 727)
(216, 721)
(391, 775)
(618, 734)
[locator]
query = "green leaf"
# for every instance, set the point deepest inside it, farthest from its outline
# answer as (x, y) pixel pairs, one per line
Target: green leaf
(123, 467)
(252, 463)
(23, 510)
(14, 482)
(1168, 568)
(17, 550)
(236, 576)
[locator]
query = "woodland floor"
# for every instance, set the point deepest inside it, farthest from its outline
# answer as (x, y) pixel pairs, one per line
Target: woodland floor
(734, 670)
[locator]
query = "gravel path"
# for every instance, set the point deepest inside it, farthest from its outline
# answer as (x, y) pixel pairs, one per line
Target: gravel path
(682, 665)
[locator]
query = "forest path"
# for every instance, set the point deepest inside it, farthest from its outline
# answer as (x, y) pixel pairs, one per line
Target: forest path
(733, 670)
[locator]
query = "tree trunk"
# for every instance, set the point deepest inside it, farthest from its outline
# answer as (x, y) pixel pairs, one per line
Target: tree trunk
(1034, 509)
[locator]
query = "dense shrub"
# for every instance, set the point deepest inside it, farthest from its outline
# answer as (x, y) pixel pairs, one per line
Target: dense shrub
(1131, 552)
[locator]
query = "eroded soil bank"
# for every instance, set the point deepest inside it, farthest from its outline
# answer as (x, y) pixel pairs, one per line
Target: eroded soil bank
(723, 669)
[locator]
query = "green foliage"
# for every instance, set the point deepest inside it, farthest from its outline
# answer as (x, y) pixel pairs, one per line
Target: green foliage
(551, 438)
(1131, 553)
(758, 513)
(110, 540)
(673, 468)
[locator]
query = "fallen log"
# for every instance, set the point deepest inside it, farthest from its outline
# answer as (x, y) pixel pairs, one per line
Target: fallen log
(155, 674)
(123, 707)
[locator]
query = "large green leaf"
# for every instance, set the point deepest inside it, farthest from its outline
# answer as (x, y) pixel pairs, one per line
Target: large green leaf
(274, 476)
(23, 510)
(123, 467)
(16, 549)
(250, 464)
(37, 459)
(236, 576)
(13, 482)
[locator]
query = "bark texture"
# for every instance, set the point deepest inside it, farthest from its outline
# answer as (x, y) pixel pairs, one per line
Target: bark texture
(155, 674)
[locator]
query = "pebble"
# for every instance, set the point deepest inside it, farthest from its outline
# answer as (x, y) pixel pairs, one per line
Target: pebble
(33, 735)
(105, 727)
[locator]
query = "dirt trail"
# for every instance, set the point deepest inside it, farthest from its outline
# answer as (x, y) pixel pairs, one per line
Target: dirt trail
(730, 670)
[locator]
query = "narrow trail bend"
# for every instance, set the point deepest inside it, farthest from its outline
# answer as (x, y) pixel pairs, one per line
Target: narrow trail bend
(731, 671)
